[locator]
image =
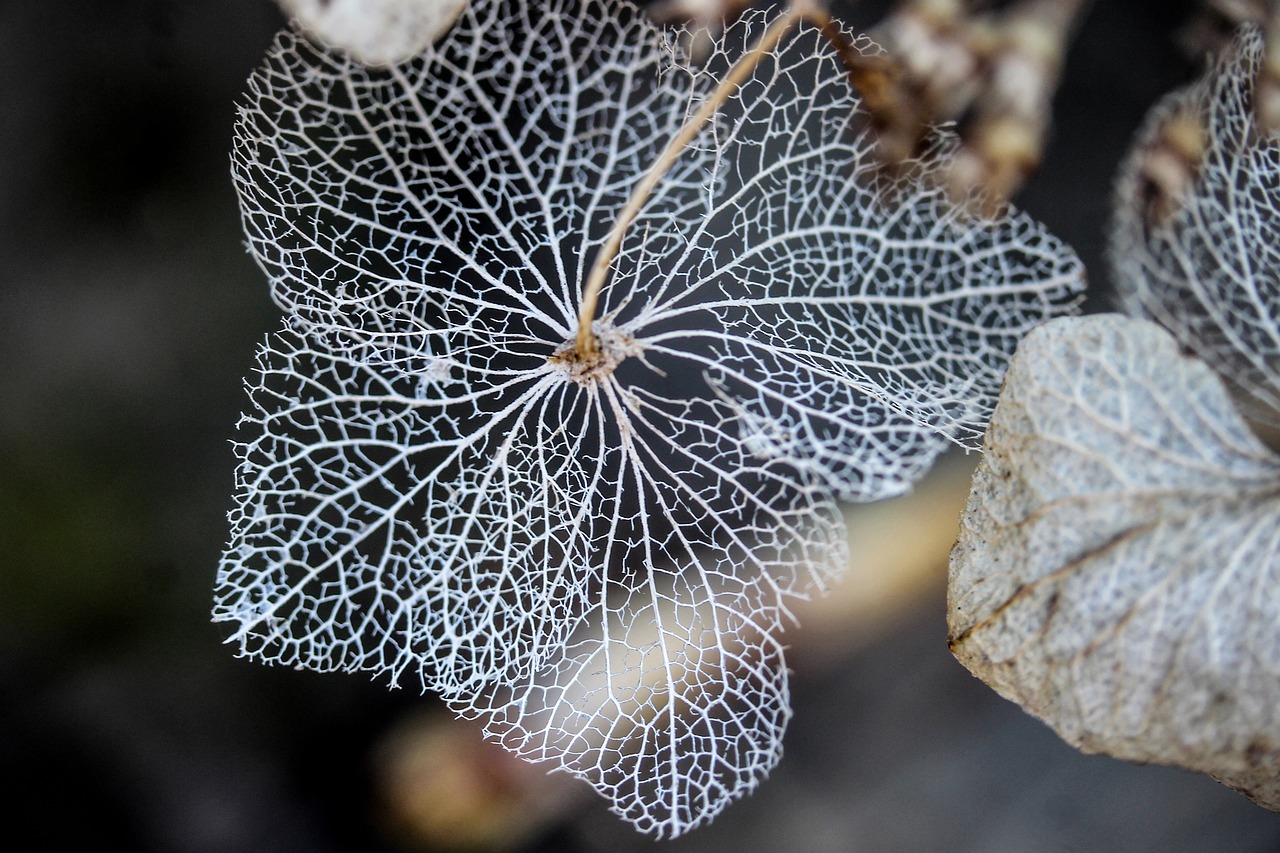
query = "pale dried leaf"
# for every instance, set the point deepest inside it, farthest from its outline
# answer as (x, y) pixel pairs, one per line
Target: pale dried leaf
(672, 701)
(1210, 274)
(381, 528)
(592, 556)
(375, 32)
(1118, 569)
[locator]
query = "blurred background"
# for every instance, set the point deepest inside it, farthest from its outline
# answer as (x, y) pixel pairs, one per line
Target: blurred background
(129, 313)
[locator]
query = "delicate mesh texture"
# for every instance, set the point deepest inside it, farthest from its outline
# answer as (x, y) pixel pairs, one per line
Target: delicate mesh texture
(594, 559)
(1211, 274)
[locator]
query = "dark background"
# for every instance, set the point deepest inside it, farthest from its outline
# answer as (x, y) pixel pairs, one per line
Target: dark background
(129, 313)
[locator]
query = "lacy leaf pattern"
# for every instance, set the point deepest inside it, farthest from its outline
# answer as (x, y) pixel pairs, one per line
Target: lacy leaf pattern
(593, 555)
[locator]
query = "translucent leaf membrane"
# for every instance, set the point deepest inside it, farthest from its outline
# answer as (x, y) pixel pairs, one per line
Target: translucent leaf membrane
(672, 701)
(592, 554)
(381, 529)
(1210, 274)
(1118, 568)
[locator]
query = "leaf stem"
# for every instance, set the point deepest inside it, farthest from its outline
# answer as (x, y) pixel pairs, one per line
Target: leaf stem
(586, 341)
(1267, 91)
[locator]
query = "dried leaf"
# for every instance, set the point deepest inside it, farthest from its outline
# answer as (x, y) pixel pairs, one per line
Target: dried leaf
(1118, 569)
(593, 555)
(375, 32)
(1209, 271)
(672, 700)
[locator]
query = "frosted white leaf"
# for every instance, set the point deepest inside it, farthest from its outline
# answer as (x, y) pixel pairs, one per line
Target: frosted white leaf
(1211, 273)
(671, 701)
(1118, 569)
(435, 483)
(386, 529)
(375, 32)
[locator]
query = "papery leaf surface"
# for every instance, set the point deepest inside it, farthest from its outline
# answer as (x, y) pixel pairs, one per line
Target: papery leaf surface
(375, 32)
(1118, 568)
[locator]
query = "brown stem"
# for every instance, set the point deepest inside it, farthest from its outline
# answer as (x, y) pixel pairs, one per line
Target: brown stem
(599, 272)
(1012, 116)
(1267, 91)
(836, 39)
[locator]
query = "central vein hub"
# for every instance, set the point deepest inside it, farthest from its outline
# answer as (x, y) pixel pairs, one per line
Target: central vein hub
(612, 346)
